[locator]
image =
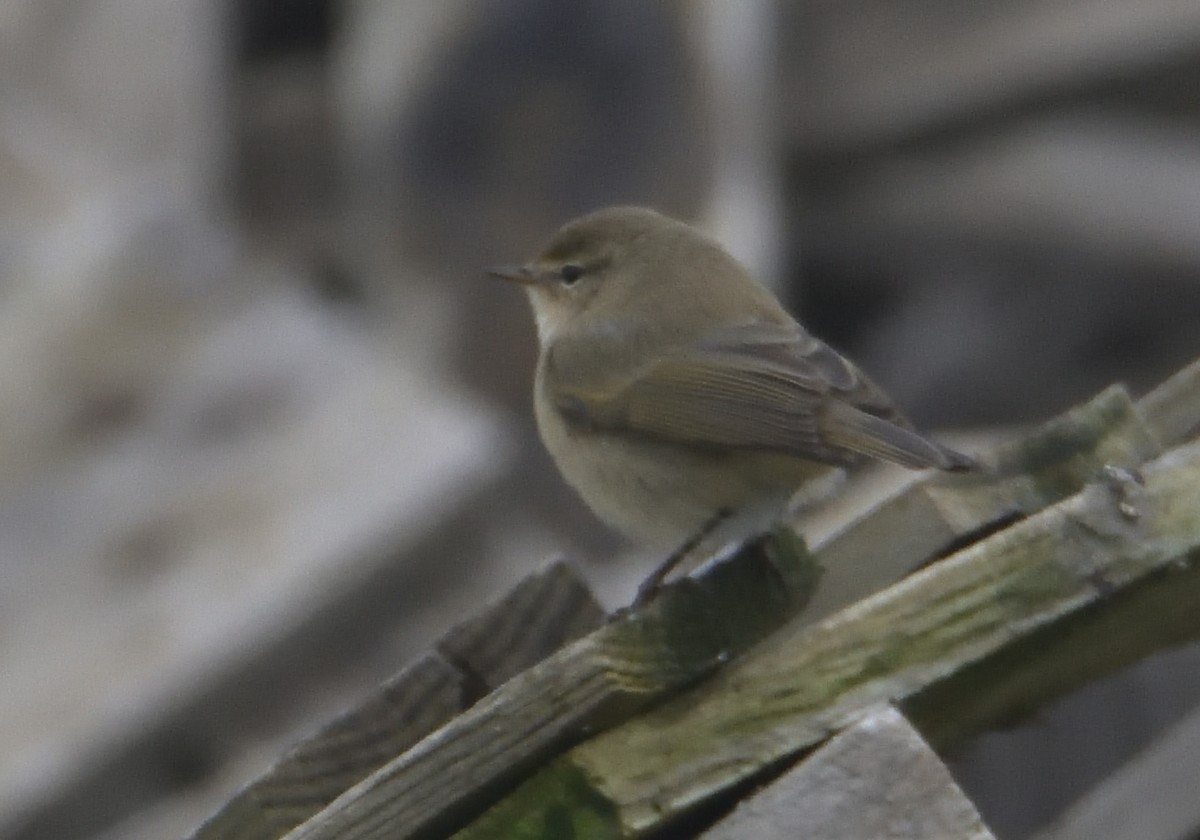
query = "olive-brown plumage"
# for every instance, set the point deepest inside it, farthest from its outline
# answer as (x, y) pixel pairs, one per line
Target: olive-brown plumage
(672, 386)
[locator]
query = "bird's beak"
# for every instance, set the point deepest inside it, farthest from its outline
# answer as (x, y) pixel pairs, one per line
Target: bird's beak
(513, 273)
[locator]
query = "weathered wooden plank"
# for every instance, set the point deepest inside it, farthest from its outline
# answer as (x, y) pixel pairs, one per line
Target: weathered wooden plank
(1172, 410)
(419, 699)
(917, 525)
(877, 779)
(638, 658)
(928, 518)
(945, 626)
(1153, 797)
(538, 616)
(541, 614)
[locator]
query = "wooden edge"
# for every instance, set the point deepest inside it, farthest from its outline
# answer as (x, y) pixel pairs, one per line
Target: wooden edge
(877, 778)
(942, 628)
(539, 615)
(603, 678)
(926, 519)
(1173, 408)
(941, 513)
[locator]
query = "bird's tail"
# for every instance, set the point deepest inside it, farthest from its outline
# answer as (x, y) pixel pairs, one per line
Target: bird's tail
(856, 430)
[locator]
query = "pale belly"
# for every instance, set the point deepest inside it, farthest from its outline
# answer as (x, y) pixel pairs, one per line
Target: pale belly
(660, 495)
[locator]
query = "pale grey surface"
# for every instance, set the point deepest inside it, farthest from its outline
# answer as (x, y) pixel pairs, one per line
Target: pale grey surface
(876, 780)
(198, 455)
(1152, 797)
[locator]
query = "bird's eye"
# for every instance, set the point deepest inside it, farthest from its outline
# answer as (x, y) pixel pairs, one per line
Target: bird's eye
(570, 273)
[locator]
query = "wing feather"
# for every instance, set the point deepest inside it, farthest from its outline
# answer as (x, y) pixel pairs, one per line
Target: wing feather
(761, 387)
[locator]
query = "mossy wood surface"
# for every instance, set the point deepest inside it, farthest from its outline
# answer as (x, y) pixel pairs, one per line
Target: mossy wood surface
(602, 678)
(929, 517)
(1053, 577)
(1063, 596)
(1045, 575)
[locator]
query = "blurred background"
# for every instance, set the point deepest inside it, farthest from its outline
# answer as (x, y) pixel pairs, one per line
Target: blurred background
(266, 430)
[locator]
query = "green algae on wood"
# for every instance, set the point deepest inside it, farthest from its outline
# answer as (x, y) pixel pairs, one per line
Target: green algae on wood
(802, 683)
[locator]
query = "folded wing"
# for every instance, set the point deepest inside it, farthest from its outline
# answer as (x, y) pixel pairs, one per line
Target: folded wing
(758, 387)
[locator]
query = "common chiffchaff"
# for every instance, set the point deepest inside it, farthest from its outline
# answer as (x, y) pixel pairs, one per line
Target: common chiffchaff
(673, 390)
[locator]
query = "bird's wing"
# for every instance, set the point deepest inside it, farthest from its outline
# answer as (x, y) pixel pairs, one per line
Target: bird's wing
(759, 387)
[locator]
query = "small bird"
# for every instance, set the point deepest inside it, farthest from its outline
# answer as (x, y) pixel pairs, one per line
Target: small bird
(676, 394)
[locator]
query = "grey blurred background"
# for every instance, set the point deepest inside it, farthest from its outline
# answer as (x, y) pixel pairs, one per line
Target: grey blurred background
(265, 429)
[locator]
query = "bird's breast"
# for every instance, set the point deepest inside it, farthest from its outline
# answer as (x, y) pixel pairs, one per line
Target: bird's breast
(660, 494)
